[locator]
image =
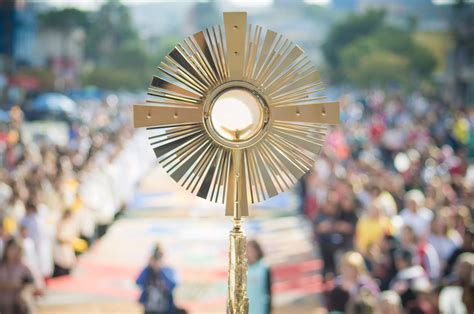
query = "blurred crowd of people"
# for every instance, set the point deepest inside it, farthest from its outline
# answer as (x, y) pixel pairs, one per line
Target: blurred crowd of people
(56, 200)
(391, 201)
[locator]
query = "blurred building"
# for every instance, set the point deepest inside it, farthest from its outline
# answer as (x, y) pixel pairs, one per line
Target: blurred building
(18, 27)
(34, 56)
(63, 53)
(461, 69)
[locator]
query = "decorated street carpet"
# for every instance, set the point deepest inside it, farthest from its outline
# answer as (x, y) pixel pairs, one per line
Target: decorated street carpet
(194, 235)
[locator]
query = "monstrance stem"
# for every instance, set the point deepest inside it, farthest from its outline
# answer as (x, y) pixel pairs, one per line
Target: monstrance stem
(237, 302)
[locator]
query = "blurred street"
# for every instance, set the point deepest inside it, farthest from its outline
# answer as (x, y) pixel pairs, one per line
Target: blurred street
(194, 235)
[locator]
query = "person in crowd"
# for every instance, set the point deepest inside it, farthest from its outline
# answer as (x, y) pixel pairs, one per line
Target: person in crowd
(259, 282)
(371, 229)
(424, 253)
(310, 188)
(157, 283)
(384, 200)
(352, 280)
(16, 282)
(38, 230)
(365, 302)
(440, 240)
(468, 295)
(467, 246)
(390, 303)
(451, 296)
(14, 210)
(410, 279)
(382, 265)
(64, 256)
(346, 221)
(32, 223)
(337, 300)
(328, 239)
(425, 301)
(415, 214)
(30, 256)
(461, 217)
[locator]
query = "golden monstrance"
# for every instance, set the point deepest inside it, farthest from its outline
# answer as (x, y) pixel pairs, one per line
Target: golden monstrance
(236, 115)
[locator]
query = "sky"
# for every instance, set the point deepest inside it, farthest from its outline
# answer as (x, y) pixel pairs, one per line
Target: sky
(93, 4)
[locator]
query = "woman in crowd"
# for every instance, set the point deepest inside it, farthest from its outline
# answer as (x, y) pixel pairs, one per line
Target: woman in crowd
(371, 229)
(353, 282)
(259, 282)
(16, 282)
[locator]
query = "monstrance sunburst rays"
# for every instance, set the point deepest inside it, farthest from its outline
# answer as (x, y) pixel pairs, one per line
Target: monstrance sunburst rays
(274, 69)
(236, 115)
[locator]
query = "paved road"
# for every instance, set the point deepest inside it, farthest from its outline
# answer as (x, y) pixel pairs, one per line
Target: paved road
(194, 235)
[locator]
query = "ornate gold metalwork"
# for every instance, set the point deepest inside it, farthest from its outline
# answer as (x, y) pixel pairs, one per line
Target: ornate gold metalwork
(240, 166)
(237, 301)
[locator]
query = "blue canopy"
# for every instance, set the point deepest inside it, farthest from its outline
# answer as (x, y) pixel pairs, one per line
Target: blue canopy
(86, 93)
(54, 102)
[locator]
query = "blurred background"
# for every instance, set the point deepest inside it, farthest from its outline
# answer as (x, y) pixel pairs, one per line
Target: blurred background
(383, 222)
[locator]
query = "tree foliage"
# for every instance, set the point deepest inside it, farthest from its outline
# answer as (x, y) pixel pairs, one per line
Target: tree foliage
(65, 19)
(207, 13)
(363, 66)
(117, 57)
(364, 50)
(345, 33)
(112, 29)
(111, 78)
